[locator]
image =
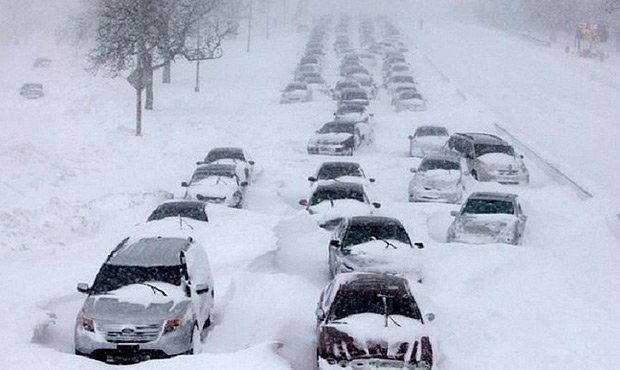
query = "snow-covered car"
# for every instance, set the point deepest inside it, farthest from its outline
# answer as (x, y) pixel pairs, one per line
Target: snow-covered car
(355, 96)
(31, 90)
(304, 69)
(368, 84)
(232, 155)
(352, 113)
(399, 80)
(152, 298)
(316, 82)
(340, 171)
(438, 178)
(347, 83)
(180, 208)
(389, 61)
(372, 244)
(336, 138)
(488, 218)
(371, 321)
(296, 92)
(216, 183)
(397, 68)
(330, 203)
(309, 59)
(427, 139)
(42, 62)
(409, 100)
(490, 158)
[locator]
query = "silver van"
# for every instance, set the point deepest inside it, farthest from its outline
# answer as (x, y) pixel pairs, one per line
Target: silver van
(152, 298)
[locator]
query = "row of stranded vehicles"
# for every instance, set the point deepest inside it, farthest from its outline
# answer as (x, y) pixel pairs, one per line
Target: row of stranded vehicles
(153, 296)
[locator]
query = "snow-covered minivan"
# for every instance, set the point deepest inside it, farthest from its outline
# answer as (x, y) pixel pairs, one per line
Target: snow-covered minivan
(152, 298)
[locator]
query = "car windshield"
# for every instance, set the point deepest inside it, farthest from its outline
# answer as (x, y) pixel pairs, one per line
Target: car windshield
(351, 108)
(402, 79)
(482, 149)
(371, 302)
(431, 131)
(439, 164)
(112, 277)
(359, 233)
(347, 85)
(334, 172)
(216, 155)
(488, 206)
(203, 173)
(338, 128)
(178, 209)
(325, 194)
(295, 87)
(354, 95)
(409, 95)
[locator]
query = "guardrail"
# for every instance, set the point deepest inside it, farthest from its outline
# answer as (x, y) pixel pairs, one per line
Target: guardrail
(550, 169)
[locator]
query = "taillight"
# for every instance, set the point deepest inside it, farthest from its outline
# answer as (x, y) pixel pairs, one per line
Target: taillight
(88, 324)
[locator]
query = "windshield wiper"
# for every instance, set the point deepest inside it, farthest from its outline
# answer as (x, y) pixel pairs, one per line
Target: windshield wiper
(387, 243)
(219, 178)
(183, 222)
(155, 289)
(385, 311)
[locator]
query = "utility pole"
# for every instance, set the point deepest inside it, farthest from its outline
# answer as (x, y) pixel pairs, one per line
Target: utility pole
(197, 87)
(250, 26)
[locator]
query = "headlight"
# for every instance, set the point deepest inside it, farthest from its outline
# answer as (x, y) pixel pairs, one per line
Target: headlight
(87, 323)
(172, 324)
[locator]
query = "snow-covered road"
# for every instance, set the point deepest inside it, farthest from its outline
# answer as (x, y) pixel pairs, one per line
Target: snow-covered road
(78, 180)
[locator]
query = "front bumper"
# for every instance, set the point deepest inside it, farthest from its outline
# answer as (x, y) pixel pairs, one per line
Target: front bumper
(370, 364)
(505, 177)
(434, 195)
(337, 149)
(103, 346)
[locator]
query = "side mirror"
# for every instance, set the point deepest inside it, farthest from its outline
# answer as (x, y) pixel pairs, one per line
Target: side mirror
(202, 288)
(429, 317)
(320, 314)
(251, 163)
(334, 243)
(376, 204)
(199, 163)
(413, 170)
(521, 156)
(334, 114)
(419, 245)
(523, 218)
(410, 137)
(184, 184)
(244, 183)
(454, 213)
(303, 202)
(372, 180)
(312, 179)
(83, 288)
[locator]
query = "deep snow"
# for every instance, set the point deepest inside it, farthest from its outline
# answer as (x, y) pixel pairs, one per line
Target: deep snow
(75, 181)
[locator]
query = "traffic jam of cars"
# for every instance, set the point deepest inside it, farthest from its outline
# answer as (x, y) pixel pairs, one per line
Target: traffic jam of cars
(369, 316)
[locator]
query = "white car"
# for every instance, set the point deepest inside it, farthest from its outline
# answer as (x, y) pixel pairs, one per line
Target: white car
(340, 172)
(399, 80)
(409, 100)
(340, 138)
(216, 183)
(330, 203)
(438, 178)
(352, 113)
(296, 92)
(427, 139)
(232, 155)
(488, 218)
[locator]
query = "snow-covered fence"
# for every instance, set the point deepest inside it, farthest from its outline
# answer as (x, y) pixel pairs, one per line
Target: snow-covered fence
(549, 168)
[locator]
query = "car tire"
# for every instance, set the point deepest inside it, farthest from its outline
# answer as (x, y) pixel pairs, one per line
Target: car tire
(238, 197)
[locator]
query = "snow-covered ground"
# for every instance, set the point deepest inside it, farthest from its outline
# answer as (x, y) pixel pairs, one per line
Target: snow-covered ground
(74, 181)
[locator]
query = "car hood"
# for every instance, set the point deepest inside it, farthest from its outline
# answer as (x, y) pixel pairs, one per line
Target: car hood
(378, 256)
(430, 141)
(331, 138)
(137, 304)
(295, 93)
(369, 334)
(486, 225)
(214, 187)
(437, 179)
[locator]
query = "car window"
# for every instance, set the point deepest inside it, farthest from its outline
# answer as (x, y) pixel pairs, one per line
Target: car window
(359, 233)
(322, 195)
(438, 164)
(488, 206)
(175, 210)
(112, 277)
(356, 303)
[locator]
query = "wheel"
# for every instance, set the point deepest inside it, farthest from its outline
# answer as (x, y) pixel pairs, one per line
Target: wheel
(237, 200)
(474, 174)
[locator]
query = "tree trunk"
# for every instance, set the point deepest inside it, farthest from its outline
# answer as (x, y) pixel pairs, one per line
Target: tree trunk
(138, 112)
(165, 78)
